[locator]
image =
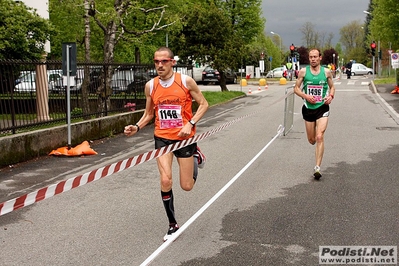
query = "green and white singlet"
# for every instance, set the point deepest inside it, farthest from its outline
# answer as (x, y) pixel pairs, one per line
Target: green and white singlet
(315, 85)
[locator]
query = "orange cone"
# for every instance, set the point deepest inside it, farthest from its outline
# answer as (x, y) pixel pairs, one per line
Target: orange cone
(249, 91)
(266, 87)
(259, 88)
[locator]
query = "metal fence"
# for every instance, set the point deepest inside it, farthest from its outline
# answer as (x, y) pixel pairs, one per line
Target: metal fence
(33, 95)
(289, 109)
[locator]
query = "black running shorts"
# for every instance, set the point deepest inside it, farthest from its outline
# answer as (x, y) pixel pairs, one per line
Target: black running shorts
(184, 152)
(311, 115)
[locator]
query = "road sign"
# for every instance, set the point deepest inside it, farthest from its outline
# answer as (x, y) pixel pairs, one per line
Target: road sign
(395, 60)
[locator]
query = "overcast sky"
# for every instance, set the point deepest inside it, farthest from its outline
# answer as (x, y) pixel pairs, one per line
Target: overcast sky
(286, 17)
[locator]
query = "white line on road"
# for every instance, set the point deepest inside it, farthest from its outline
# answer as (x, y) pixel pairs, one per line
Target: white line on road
(161, 248)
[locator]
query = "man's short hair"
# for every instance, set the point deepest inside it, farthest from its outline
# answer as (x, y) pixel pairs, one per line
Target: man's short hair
(315, 49)
(166, 49)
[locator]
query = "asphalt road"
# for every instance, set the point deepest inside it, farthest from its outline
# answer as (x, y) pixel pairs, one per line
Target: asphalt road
(257, 200)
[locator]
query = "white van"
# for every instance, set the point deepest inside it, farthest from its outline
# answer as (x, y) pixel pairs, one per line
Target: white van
(27, 82)
(360, 69)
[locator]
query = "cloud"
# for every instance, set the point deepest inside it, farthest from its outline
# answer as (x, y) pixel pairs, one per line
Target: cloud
(286, 17)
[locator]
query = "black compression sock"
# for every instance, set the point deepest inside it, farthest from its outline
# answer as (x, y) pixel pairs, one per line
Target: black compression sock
(167, 198)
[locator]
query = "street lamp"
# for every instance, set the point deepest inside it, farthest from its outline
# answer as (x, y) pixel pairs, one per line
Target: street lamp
(280, 41)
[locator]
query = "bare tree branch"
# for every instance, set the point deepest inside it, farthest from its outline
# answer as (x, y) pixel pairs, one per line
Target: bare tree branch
(155, 27)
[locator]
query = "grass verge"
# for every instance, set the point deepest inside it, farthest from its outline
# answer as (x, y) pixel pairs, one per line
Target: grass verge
(385, 80)
(217, 97)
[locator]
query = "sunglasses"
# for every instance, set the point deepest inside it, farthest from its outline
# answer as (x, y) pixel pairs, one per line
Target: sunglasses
(163, 61)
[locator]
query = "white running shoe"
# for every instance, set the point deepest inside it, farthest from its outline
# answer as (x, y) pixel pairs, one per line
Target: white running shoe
(317, 173)
(172, 229)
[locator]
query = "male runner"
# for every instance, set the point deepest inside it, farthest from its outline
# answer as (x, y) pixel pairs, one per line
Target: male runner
(169, 98)
(318, 92)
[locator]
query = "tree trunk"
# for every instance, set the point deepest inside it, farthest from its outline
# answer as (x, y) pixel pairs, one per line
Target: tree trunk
(105, 89)
(86, 79)
(137, 55)
(223, 85)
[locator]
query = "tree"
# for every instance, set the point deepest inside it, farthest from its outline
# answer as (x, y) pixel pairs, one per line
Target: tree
(310, 35)
(303, 55)
(328, 41)
(278, 56)
(102, 26)
(137, 26)
(204, 41)
(329, 56)
(352, 36)
(384, 22)
(71, 20)
(23, 32)
(224, 44)
(367, 26)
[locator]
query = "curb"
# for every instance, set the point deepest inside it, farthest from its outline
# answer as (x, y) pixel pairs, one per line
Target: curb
(384, 104)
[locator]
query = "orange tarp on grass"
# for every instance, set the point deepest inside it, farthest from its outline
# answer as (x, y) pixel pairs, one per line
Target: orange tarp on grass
(81, 149)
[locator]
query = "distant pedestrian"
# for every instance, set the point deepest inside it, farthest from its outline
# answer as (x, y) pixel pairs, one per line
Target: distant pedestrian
(318, 92)
(348, 67)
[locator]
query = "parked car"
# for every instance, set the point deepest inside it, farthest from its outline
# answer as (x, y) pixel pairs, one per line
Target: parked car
(27, 82)
(152, 73)
(197, 71)
(212, 75)
(121, 80)
(275, 73)
(360, 69)
(129, 81)
(75, 83)
(22, 73)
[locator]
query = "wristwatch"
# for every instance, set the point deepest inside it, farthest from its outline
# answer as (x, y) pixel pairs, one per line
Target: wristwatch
(192, 122)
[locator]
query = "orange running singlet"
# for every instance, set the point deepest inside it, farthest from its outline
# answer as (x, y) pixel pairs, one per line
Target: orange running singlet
(173, 107)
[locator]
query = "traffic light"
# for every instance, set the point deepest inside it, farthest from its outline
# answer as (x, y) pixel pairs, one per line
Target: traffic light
(292, 49)
(373, 46)
(297, 56)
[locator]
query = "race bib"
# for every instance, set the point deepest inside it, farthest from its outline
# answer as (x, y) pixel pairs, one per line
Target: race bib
(316, 91)
(170, 116)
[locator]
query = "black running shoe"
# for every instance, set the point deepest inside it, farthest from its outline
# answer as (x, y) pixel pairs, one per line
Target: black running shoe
(172, 229)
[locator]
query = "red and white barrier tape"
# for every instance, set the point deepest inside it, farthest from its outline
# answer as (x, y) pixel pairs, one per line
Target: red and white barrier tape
(66, 185)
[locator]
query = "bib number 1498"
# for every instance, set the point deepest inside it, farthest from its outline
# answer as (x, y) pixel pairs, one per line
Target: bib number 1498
(316, 92)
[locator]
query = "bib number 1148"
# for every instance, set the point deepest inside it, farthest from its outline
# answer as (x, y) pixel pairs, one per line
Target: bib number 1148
(170, 116)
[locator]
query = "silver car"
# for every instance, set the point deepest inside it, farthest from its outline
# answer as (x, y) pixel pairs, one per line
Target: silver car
(360, 69)
(275, 73)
